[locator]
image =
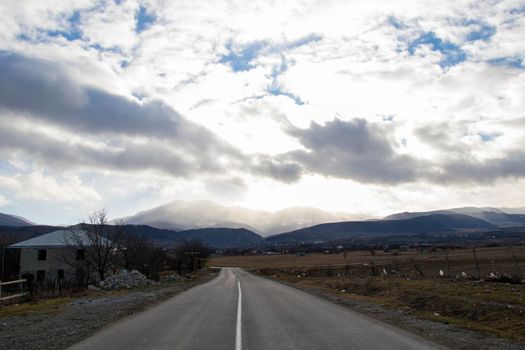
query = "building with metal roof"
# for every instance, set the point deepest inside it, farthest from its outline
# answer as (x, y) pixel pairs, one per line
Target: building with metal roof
(57, 239)
(54, 256)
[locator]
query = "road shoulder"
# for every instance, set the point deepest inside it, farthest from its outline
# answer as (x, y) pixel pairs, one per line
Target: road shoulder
(437, 332)
(71, 321)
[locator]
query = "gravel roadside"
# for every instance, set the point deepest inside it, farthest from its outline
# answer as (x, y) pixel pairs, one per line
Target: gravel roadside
(80, 318)
(441, 333)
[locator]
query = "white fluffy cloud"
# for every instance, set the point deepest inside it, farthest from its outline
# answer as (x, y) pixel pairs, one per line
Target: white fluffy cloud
(392, 101)
(41, 187)
(3, 200)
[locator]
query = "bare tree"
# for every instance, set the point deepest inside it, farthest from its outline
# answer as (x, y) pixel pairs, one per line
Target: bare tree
(140, 254)
(99, 242)
(191, 256)
(132, 251)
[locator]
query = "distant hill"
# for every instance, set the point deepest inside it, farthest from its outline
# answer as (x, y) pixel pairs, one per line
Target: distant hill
(495, 216)
(355, 229)
(13, 220)
(222, 237)
(184, 215)
(513, 210)
(13, 234)
(212, 237)
(159, 237)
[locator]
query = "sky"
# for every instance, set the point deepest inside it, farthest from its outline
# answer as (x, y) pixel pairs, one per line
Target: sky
(368, 107)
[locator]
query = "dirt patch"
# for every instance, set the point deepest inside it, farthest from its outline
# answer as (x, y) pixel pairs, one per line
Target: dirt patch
(67, 321)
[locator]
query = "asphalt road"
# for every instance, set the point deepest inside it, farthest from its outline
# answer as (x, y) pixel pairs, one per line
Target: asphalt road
(238, 310)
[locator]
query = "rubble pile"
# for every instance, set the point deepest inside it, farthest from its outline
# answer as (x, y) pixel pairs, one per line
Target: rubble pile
(125, 279)
(502, 278)
(174, 277)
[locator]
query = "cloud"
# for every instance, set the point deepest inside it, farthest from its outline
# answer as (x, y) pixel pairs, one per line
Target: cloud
(71, 30)
(111, 25)
(482, 31)
(442, 137)
(143, 136)
(182, 92)
(365, 152)
(277, 168)
(148, 135)
(512, 62)
(354, 150)
(488, 171)
(44, 91)
(466, 155)
(3, 200)
(40, 187)
(241, 57)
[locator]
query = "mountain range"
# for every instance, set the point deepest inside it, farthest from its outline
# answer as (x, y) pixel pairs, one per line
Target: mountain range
(340, 231)
(184, 215)
(234, 227)
(13, 220)
(495, 216)
(221, 238)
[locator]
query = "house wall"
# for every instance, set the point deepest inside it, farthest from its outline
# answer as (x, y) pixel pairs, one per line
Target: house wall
(54, 261)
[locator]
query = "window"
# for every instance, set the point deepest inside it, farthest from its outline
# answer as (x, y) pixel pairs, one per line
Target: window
(40, 276)
(81, 254)
(42, 254)
(60, 274)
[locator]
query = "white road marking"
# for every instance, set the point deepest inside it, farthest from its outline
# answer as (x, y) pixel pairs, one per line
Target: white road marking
(238, 339)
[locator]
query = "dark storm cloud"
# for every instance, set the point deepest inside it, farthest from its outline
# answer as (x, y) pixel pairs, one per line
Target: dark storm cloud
(353, 149)
(45, 91)
(41, 91)
(277, 168)
(60, 153)
(469, 170)
(364, 152)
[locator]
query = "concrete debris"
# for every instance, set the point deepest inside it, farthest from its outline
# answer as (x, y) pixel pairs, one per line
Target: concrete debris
(174, 277)
(125, 279)
(502, 278)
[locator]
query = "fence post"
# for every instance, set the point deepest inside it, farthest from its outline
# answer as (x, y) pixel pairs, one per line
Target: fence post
(421, 273)
(21, 294)
(476, 260)
(515, 260)
(448, 265)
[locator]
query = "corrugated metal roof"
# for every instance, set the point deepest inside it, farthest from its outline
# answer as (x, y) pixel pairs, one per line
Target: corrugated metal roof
(56, 239)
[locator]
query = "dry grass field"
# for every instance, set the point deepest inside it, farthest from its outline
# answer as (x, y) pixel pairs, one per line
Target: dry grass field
(490, 259)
